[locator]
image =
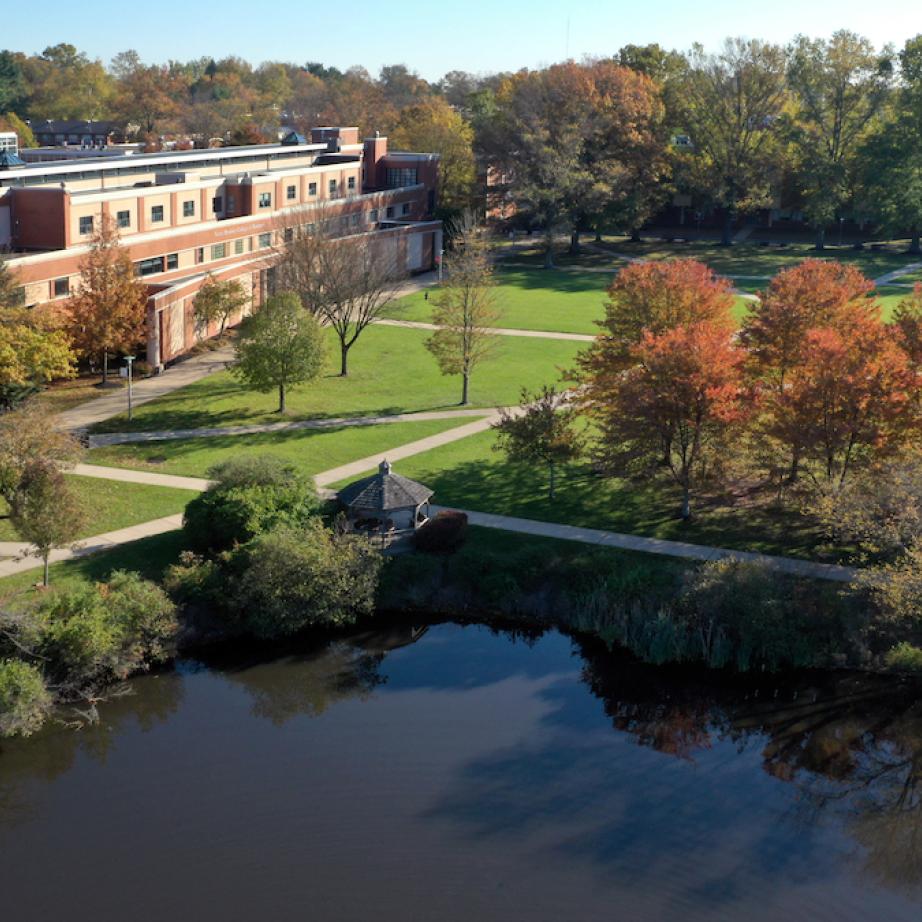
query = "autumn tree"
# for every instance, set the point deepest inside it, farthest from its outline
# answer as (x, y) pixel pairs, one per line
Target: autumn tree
(65, 84)
(32, 353)
(729, 106)
(279, 346)
(148, 96)
(838, 88)
(11, 293)
(345, 282)
(464, 309)
(539, 431)
(108, 312)
(677, 406)
(45, 511)
(218, 300)
(432, 125)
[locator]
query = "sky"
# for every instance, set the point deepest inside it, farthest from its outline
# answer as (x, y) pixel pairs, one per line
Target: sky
(433, 38)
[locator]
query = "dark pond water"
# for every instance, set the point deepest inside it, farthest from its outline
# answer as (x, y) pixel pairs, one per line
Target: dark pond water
(459, 773)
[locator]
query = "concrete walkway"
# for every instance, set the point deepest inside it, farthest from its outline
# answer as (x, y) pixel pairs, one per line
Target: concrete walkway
(87, 546)
(145, 390)
(146, 477)
(499, 331)
(888, 277)
(336, 422)
(788, 565)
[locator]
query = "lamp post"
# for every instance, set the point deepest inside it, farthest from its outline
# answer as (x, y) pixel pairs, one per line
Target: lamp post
(128, 360)
(441, 254)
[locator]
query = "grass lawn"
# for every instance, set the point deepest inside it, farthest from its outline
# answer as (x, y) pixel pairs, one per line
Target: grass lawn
(149, 556)
(310, 451)
(111, 505)
(390, 372)
(65, 395)
(469, 474)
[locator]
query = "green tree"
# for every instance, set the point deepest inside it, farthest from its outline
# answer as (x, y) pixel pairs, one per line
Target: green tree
(32, 353)
(217, 301)
(24, 698)
(465, 310)
(45, 512)
(279, 346)
(11, 293)
(730, 103)
(838, 88)
(12, 81)
(540, 431)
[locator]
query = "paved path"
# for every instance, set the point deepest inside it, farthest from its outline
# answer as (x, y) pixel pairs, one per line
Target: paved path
(499, 331)
(888, 277)
(88, 545)
(147, 477)
(146, 389)
(339, 422)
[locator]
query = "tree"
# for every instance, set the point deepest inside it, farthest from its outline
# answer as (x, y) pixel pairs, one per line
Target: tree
(432, 125)
(541, 431)
(465, 310)
(12, 81)
(279, 346)
(838, 88)
(44, 511)
(346, 282)
(146, 96)
(66, 84)
(730, 103)
(677, 406)
(10, 121)
(30, 355)
(108, 312)
(24, 698)
(11, 293)
(217, 301)
(650, 297)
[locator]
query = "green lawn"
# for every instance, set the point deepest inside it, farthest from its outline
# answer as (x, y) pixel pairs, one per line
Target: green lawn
(469, 474)
(111, 505)
(310, 451)
(390, 372)
(149, 556)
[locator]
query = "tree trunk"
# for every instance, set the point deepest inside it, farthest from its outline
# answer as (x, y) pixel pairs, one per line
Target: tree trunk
(343, 360)
(105, 367)
(549, 255)
(820, 244)
(465, 379)
(45, 578)
(598, 236)
(686, 504)
(281, 398)
(574, 242)
(914, 248)
(552, 485)
(635, 235)
(726, 236)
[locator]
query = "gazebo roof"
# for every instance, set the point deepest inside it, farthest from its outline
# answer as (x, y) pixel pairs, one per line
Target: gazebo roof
(384, 491)
(9, 160)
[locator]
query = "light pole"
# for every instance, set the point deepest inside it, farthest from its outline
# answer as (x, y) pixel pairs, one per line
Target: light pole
(128, 360)
(441, 254)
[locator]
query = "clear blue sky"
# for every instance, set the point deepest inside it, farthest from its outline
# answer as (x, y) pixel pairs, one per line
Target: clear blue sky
(434, 37)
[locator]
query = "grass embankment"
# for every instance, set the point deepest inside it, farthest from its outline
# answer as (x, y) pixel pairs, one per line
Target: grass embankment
(469, 474)
(308, 451)
(111, 505)
(390, 371)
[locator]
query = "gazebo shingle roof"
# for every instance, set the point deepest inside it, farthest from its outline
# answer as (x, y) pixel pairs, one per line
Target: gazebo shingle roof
(384, 491)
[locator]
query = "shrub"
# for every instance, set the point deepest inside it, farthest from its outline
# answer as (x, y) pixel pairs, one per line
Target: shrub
(904, 657)
(145, 616)
(443, 534)
(291, 579)
(251, 495)
(24, 699)
(195, 579)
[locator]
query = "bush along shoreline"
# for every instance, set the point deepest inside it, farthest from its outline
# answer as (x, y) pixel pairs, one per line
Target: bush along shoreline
(267, 563)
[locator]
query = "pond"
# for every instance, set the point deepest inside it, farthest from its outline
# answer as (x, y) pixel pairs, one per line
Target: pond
(450, 772)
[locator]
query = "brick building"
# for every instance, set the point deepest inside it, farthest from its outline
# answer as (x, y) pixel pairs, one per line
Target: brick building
(185, 214)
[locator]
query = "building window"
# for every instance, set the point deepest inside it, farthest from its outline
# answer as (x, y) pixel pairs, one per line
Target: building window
(172, 261)
(332, 187)
(406, 208)
(219, 251)
(390, 211)
(61, 288)
(86, 225)
(288, 234)
(238, 247)
(231, 203)
(217, 204)
(350, 183)
(200, 255)
(355, 219)
(265, 240)
(123, 218)
(373, 215)
(188, 209)
(156, 214)
(149, 266)
(291, 193)
(312, 188)
(265, 199)
(398, 178)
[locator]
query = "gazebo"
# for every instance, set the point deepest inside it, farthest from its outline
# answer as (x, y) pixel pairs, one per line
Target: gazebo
(386, 502)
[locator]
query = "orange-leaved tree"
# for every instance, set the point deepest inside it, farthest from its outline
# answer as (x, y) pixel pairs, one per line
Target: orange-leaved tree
(107, 313)
(679, 404)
